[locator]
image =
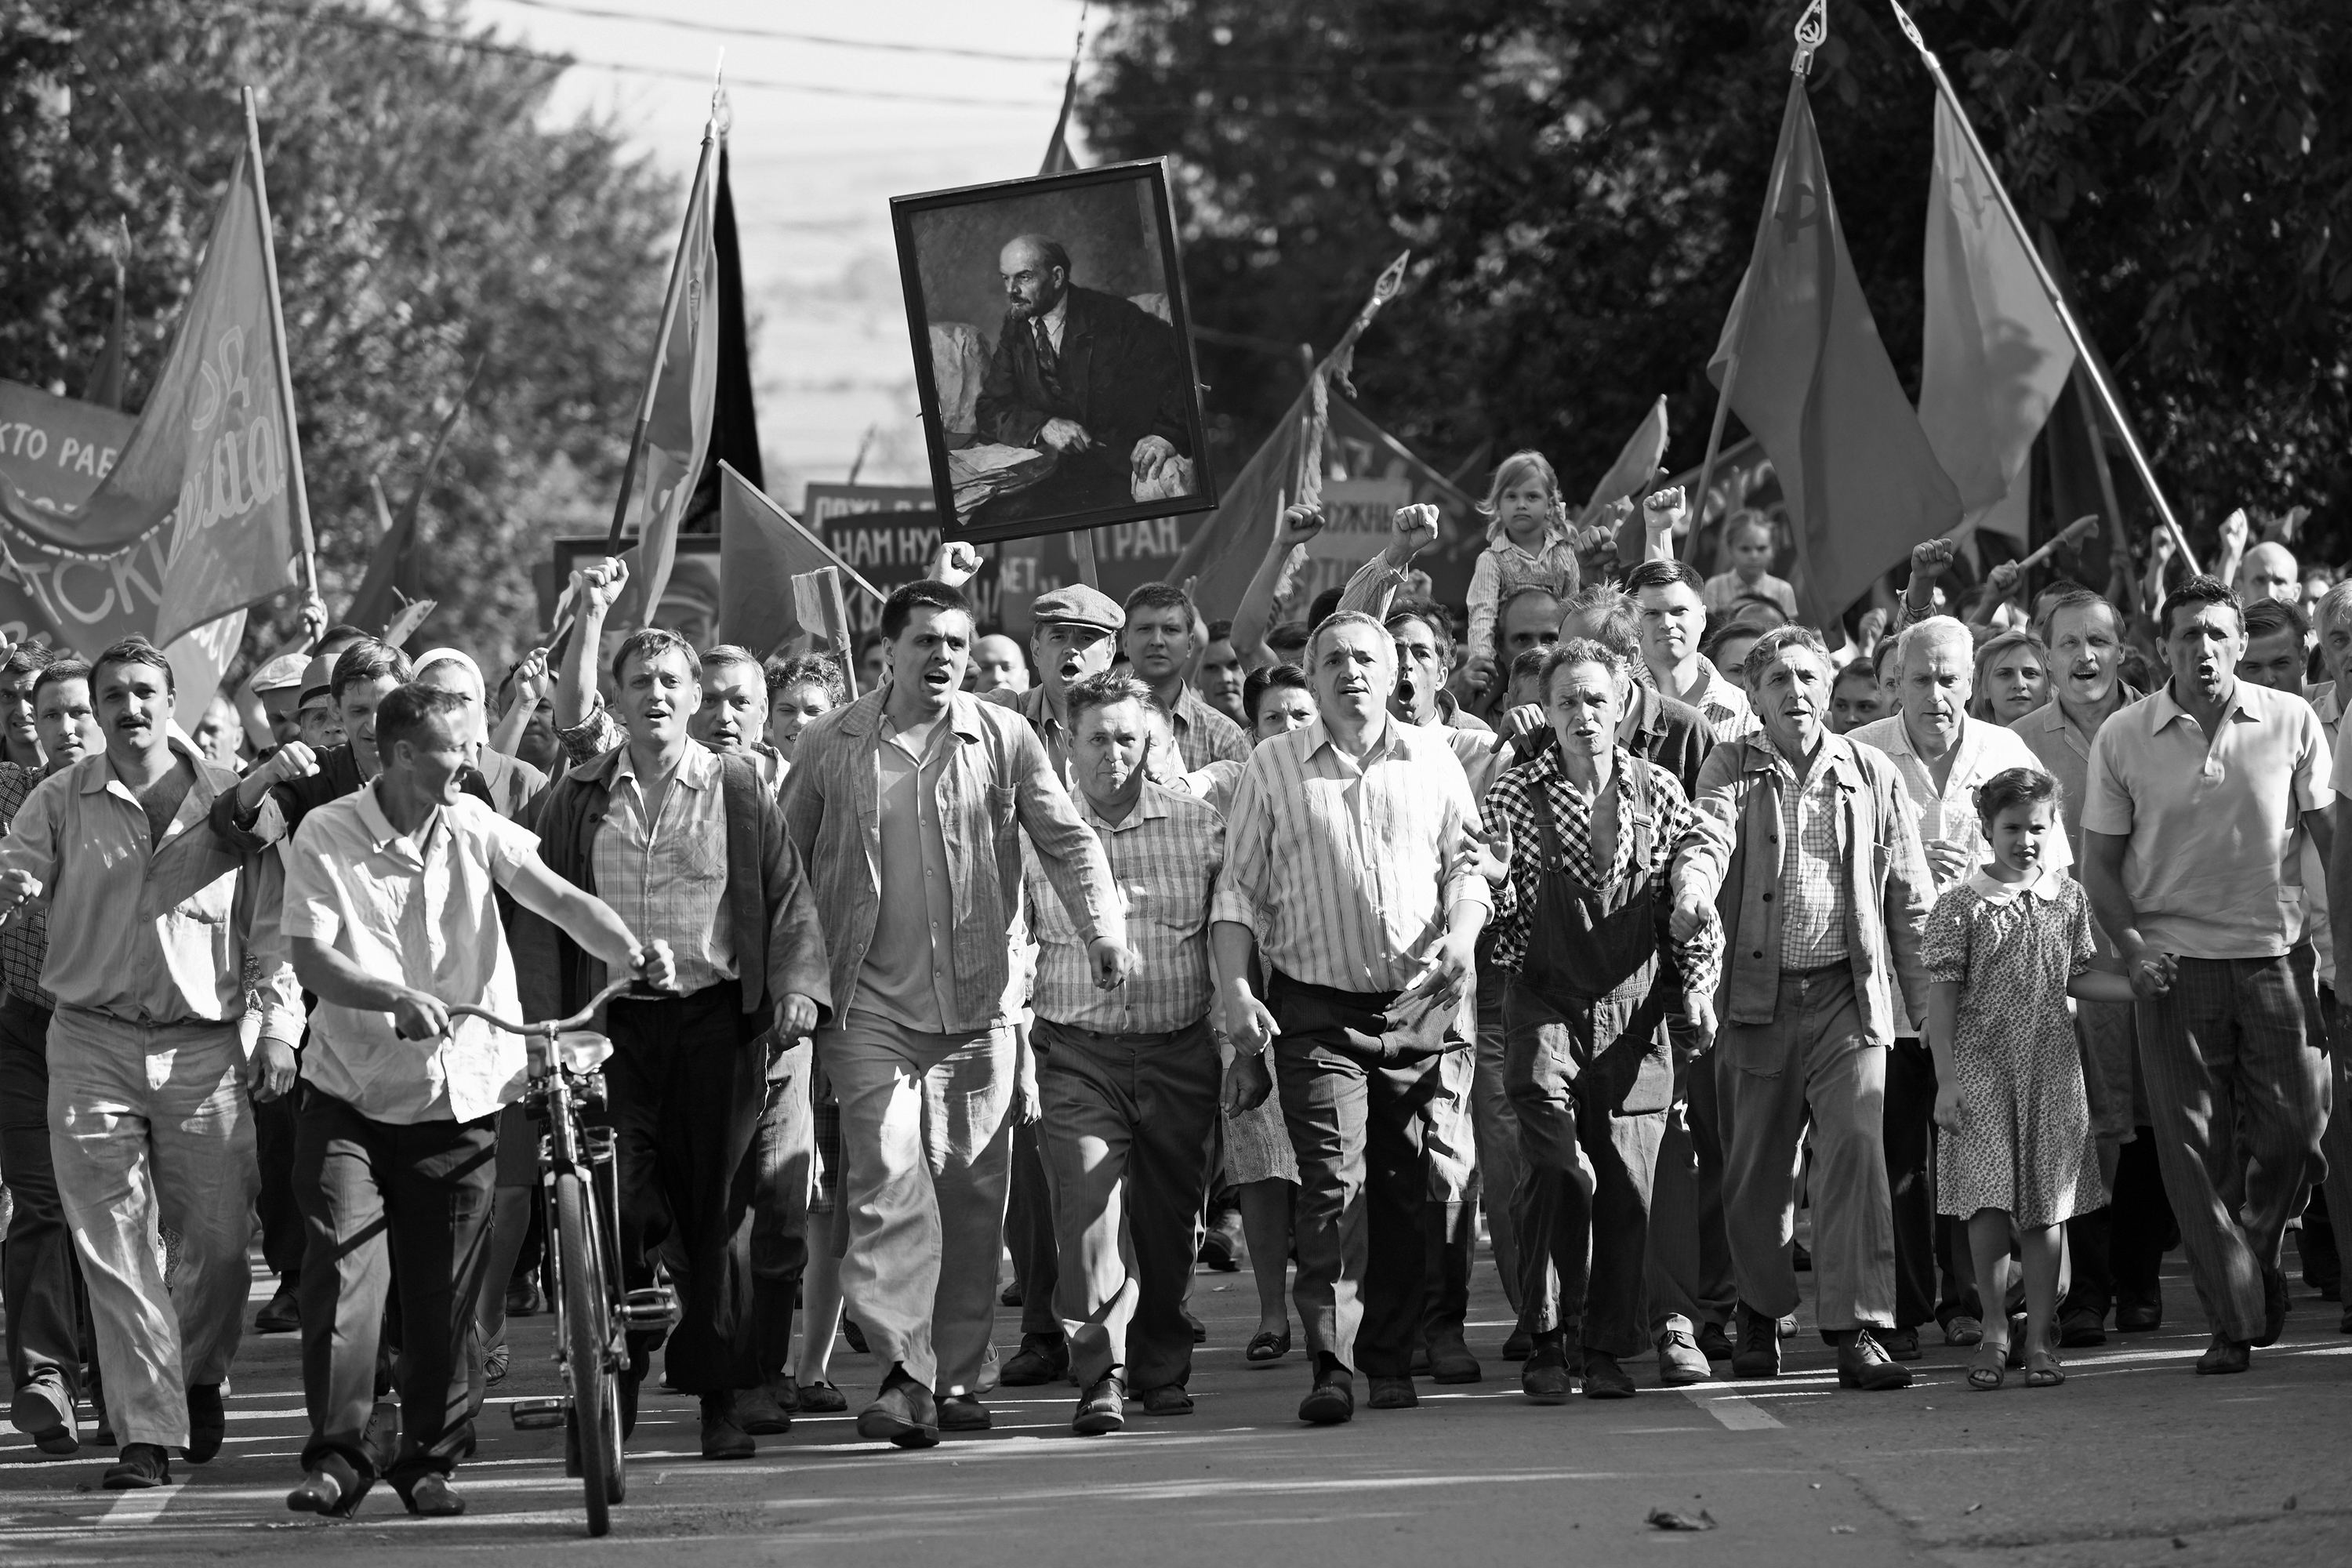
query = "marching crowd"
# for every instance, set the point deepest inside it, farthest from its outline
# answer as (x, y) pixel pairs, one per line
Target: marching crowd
(1614, 906)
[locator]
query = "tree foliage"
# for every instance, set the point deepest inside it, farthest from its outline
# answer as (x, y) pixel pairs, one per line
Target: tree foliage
(1579, 182)
(427, 213)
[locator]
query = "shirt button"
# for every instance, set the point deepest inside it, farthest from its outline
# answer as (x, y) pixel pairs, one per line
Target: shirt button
(1768, 898)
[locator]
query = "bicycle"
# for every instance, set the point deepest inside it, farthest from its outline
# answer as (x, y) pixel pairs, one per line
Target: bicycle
(594, 1312)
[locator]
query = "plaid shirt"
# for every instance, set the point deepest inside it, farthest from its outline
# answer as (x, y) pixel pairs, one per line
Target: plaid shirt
(1812, 892)
(1729, 715)
(1510, 818)
(25, 939)
(668, 879)
(592, 736)
(1164, 860)
(1204, 735)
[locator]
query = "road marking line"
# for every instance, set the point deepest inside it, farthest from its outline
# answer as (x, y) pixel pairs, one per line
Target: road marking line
(138, 1507)
(1736, 1411)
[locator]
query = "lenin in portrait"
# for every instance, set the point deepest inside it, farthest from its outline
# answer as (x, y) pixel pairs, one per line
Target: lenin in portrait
(1090, 377)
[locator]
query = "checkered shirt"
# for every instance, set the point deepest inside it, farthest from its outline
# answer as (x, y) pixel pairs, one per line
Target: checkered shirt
(1165, 859)
(1813, 885)
(1204, 735)
(668, 879)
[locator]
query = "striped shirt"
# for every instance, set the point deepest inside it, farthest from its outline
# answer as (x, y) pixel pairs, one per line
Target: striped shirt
(25, 939)
(1345, 869)
(1510, 813)
(1164, 860)
(1204, 735)
(668, 879)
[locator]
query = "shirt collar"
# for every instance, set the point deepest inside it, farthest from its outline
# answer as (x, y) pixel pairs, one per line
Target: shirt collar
(1150, 806)
(1392, 741)
(1834, 758)
(2164, 707)
(383, 834)
(698, 766)
(2045, 884)
(1055, 318)
(98, 774)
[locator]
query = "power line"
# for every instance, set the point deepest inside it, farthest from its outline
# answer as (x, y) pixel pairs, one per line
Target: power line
(717, 29)
(336, 16)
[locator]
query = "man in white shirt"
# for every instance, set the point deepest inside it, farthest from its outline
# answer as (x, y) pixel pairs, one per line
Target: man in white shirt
(391, 913)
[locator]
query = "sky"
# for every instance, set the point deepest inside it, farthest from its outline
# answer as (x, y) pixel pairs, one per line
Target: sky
(812, 171)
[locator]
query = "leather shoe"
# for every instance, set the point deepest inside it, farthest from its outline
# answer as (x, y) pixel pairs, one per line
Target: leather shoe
(143, 1464)
(903, 1413)
(1963, 1331)
(2274, 1305)
(434, 1497)
(1863, 1363)
(281, 1314)
(1332, 1399)
(1604, 1379)
(1519, 1345)
(1450, 1360)
(44, 1412)
(1902, 1344)
(1393, 1393)
(1755, 1352)
(759, 1412)
(1544, 1379)
(963, 1413)
(723, 1437)
(1042, 1358)
(1680, 1360)
(381, 1436)
(1102, 1409)
(2343, 1322)
(1714, 1343)
(2140, 1318)
(207, 1423)
(2224, 1355)
(1168, 1399)
(324, 1491)
(2081, 1327)
(821, 1398)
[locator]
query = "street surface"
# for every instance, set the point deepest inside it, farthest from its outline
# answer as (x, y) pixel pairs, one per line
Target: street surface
(2132, 1461)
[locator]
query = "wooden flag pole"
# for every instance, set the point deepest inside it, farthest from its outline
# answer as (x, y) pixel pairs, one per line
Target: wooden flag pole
(301, 493)
(2089, 361)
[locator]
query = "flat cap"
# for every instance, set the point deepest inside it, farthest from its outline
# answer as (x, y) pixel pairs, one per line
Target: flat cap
(280, 673)
(317, 678)
(1078, 605)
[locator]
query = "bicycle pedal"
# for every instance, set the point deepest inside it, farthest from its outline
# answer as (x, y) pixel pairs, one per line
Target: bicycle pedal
(539, 1415)
(653, 1308)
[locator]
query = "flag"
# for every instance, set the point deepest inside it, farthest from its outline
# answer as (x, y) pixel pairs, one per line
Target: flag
(1057, 159)
(734, 421)
(1807, 374)
(1629, 475)
(762, 548)
(685, 388)
(239, 526)
(104, 387)
(395, 574)
(1994, 354)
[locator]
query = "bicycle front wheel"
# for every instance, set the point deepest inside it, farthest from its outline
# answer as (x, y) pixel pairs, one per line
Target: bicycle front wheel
(587, 1341)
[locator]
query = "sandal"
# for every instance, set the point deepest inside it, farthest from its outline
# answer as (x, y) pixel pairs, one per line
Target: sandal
(1986, 1371)
(2043, 1371)
(1267, 1345)
(494, 1366)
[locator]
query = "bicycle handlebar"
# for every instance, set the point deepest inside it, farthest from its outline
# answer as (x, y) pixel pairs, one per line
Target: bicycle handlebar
(553, 1025)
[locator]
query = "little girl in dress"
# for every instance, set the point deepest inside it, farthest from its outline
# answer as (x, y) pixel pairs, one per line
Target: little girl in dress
(2003, 951)
(1528, 542)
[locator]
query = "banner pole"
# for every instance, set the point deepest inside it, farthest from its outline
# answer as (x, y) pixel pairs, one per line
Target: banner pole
(299, 491)
(2108, 398)
(1706, 465)
(661, 353)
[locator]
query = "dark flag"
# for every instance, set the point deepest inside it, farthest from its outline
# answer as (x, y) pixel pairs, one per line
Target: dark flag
(734, 422)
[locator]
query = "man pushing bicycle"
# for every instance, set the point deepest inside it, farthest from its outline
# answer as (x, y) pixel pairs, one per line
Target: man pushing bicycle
(391, 911)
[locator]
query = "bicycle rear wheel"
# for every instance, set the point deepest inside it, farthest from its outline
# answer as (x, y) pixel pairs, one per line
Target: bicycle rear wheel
(586, 1304)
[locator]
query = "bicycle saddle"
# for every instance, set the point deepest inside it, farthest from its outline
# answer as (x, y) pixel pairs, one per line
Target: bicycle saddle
(581, 1050)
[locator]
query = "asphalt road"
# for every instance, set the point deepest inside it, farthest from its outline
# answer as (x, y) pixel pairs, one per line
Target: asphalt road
(2133, 1461)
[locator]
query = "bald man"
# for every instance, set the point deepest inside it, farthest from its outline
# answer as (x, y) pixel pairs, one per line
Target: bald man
(998, 666)
(2269, 572)
(1088, 376)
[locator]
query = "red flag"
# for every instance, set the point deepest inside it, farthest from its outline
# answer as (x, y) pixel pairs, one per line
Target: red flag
(1806, 372)
(762, 548)
(685, 388)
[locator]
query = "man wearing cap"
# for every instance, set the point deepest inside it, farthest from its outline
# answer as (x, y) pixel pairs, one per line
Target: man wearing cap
(279, 686)
(1075, 634)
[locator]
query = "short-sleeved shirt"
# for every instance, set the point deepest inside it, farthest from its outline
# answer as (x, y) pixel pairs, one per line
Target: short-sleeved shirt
(1984, 749)
(2212, 867)
(418, 909)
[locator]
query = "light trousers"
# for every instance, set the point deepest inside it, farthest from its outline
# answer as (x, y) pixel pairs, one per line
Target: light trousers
(149, 1126)
(1810, 1062)
(926, 1147)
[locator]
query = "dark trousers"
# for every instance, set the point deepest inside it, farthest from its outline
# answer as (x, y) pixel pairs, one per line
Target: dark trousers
(1583, 1203)
(1449, 1237)
(1029, 1236)
(39, 1279)
(1356, 1119)
(276, 1207)
(686, 1086)
(1926, 1288)
(1690, 1257)
(2239, 1093)
(391, 1210)
(781, 1151)
(1126, 1120)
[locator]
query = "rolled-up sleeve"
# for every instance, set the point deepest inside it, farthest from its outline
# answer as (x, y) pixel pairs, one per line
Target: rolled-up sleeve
(261, 887)
(1241, 885)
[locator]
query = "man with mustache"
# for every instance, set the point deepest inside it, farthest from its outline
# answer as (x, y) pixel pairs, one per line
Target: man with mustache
(2199, 796)
(1349, 874)
(1822, 898)
(152, 921)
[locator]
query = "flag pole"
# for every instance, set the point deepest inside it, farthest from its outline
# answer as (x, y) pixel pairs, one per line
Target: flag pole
(1812, 30)
(660, 354)
(302, 495)
(2089, 361)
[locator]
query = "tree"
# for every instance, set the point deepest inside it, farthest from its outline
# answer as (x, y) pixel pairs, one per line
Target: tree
(1580, 181)
(425, 214)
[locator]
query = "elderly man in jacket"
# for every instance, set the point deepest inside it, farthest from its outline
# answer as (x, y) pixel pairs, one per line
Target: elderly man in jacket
(1822, 898)
(909, 807)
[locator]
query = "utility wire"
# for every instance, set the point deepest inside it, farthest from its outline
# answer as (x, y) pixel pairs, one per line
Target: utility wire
(721, 30)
